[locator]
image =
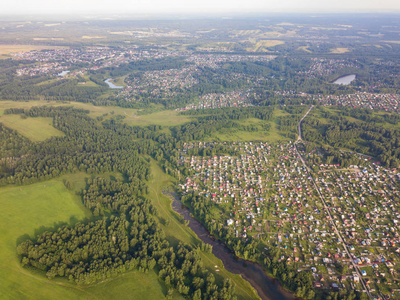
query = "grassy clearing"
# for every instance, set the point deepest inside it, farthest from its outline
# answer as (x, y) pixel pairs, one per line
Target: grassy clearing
(222, 46)
(165, 118)
(26, 104)
(35, 129)
(5, 50)
(88, 37)
(263, 45)
(132, 285)
(94, 111)
(87, 82)
(26, 211)
(305, 48)
(242, 136)
(176, 231)
(120, 81)
(273, 135)
(30, 210)
(340, 50)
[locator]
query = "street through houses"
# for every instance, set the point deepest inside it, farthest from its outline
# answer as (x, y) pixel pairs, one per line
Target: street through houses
(338, 222)
(328, 210)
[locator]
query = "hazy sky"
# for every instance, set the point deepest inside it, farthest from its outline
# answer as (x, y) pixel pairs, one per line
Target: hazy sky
(194, 6)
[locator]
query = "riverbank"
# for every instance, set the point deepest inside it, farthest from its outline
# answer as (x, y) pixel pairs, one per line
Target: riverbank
(268, 288)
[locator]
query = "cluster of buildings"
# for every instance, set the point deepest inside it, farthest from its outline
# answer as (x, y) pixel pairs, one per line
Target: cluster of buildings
(215, 60)
(164, 84)
(374, 101)
(239, 98)
(266, 192)
(324, 67)
(92, 58)
(159, 84)
(48, 68)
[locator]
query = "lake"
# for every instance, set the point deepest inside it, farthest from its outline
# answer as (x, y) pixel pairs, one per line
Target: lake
(345, 80)
(112, 85)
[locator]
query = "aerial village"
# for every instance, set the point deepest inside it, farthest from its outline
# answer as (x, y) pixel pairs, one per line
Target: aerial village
(238, 98)
(375, 101)
(50, 62)
(165, 84)
(342, 224)
(324, 66)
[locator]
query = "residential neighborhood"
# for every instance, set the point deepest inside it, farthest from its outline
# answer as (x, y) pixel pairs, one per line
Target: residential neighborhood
(265, 192)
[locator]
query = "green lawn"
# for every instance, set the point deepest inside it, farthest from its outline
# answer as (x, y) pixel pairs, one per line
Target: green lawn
(35, 129)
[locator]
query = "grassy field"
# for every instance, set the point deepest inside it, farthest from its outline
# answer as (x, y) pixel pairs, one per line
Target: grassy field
(132, 285)
(33, 209)
(176, 231)
(25, 211)
(5, 50)
(305, 48)
(35, 129)
(29, 210)
(273, 135)
(120, 81)
(340, 50)
(245, 136)
(164, 118)
(27, 104)
(262, 45)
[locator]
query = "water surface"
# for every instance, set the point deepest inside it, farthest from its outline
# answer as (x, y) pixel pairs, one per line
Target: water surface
(267, 287)
(112, 85)
(63, 73)
(345, 80)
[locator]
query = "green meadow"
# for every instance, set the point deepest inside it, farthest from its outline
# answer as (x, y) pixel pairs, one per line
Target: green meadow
(26, 211)
(35, 129)
(33, 209)
(177, 231)
(132, 116)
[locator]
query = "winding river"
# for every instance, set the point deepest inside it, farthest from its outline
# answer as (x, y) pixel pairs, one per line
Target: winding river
(112, 85)
(267, 287)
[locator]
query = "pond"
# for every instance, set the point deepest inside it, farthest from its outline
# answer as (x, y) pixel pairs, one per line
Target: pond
(345, 80)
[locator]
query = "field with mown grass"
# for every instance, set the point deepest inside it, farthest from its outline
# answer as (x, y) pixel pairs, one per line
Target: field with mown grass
(33, 209)
(35, 129)
(177, 231)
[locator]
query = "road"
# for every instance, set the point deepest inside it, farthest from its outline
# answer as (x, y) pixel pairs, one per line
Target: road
(327, 209)
(299, 139)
